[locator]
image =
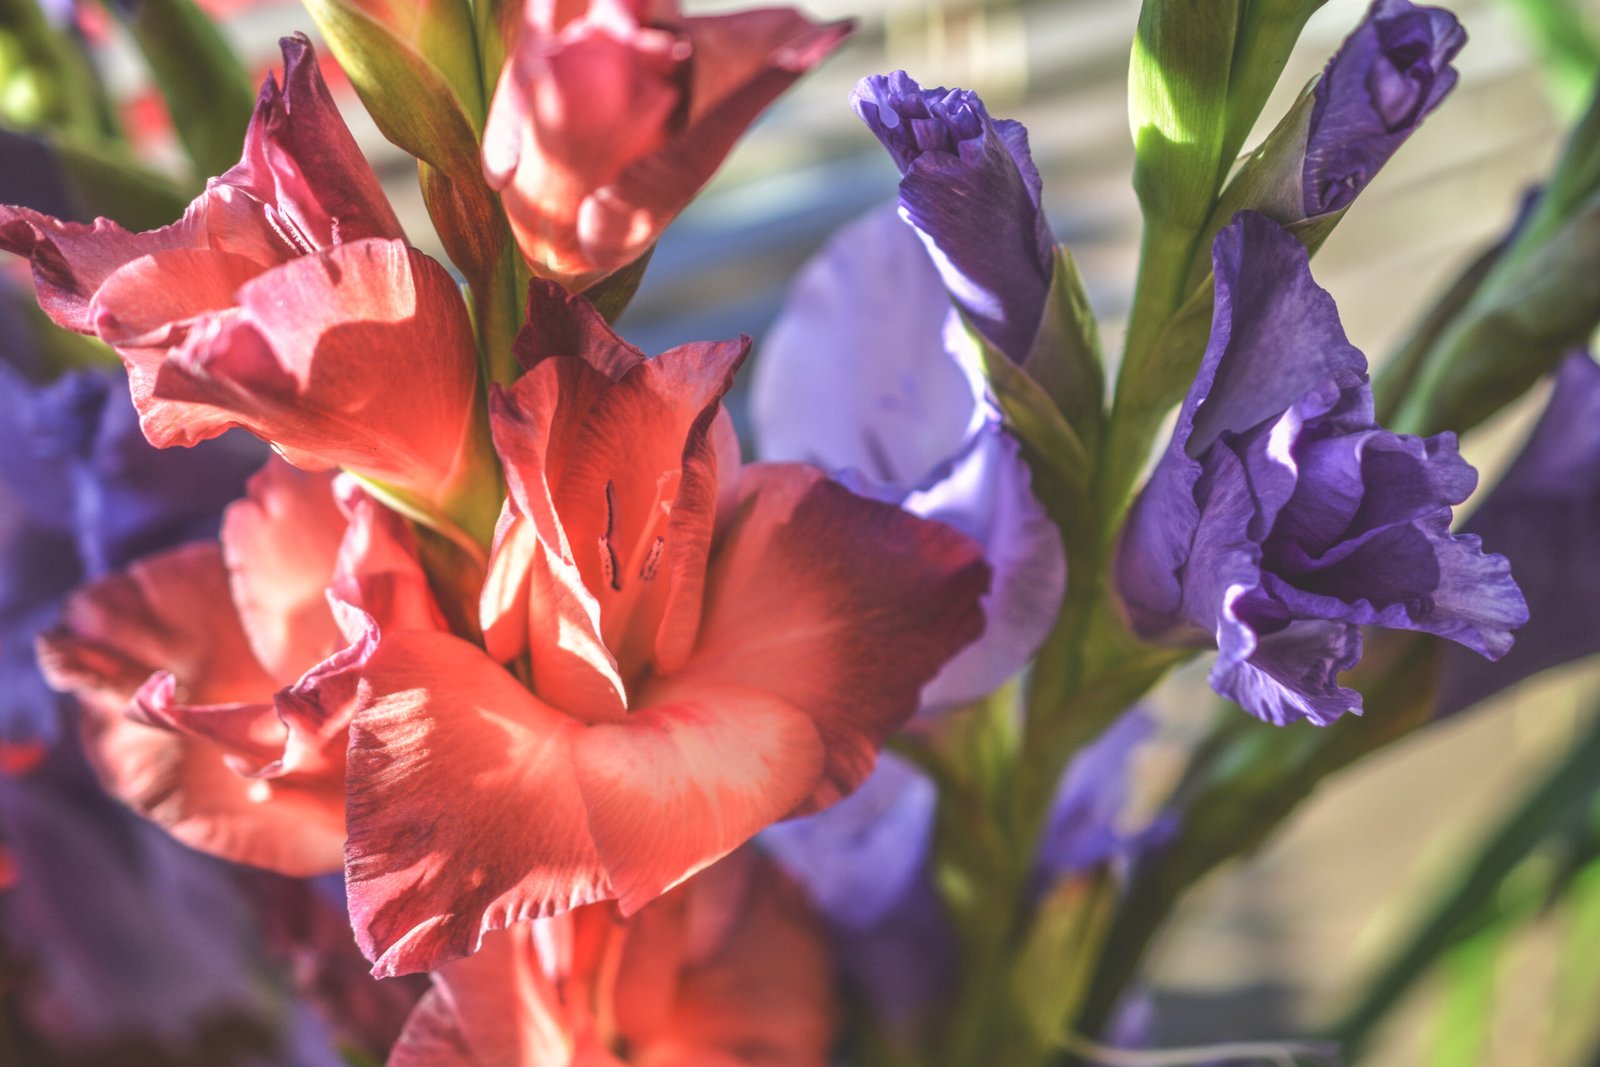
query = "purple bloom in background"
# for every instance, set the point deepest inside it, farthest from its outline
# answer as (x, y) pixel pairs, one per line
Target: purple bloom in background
(1281, 518)
(970, 190)
(136, 950)
(1086, 826)
(1385, 78)
(82, 494)
(130, 947)
(856, 378)
(864, 862)
(1545, 516)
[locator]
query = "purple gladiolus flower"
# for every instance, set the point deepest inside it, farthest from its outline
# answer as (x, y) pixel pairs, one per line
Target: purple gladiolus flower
(970, 190)
(856, 377)
(1377, 89)
(1545, 516)
(1281, 518)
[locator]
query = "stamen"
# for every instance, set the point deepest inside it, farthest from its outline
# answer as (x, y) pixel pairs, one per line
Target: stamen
(608, 564)
(652, 559)
(287, 231)
(608, 555)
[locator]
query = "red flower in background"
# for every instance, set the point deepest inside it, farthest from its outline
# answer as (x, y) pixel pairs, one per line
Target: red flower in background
(611, 114)
(727, 971)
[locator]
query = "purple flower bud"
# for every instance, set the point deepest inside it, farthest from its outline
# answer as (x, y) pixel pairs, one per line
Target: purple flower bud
(1545, 516)
(1281, 518)
(969, 188)
(1385, 78)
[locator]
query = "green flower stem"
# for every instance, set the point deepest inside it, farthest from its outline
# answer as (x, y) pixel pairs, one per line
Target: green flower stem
(1242, 786)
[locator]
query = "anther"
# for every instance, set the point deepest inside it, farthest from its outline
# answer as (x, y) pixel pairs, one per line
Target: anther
(647, 569)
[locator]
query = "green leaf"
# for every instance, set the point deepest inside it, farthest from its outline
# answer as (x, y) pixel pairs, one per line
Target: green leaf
(1056, 960)
(1472, 899)
(611, 294)
(45, 78)
(1032, 414)
(1523, 318)
(206, 87)
(416, 108)
(108, 180)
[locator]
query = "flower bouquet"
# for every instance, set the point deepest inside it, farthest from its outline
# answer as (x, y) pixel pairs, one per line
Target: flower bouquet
(402, 667)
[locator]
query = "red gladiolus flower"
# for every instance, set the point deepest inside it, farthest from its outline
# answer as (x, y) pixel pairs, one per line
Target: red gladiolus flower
(708, 648)
(285, 300)
(729, 970)
(218, 682)
(611, 114)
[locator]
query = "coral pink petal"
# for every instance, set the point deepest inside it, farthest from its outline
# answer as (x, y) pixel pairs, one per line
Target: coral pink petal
(496, 1008)
(568, 116)
(131, 641)
(742, 63)
(153, 299)
(426, 880)
(743, 58)
(841, 606)
(560, 323)
(637, 498)
(766, 997)
(168, 612)
(300, 157)
(184, 784)
(295, 365)
(688, 779)
(378, 572)
(281, 543)
(72, 260)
